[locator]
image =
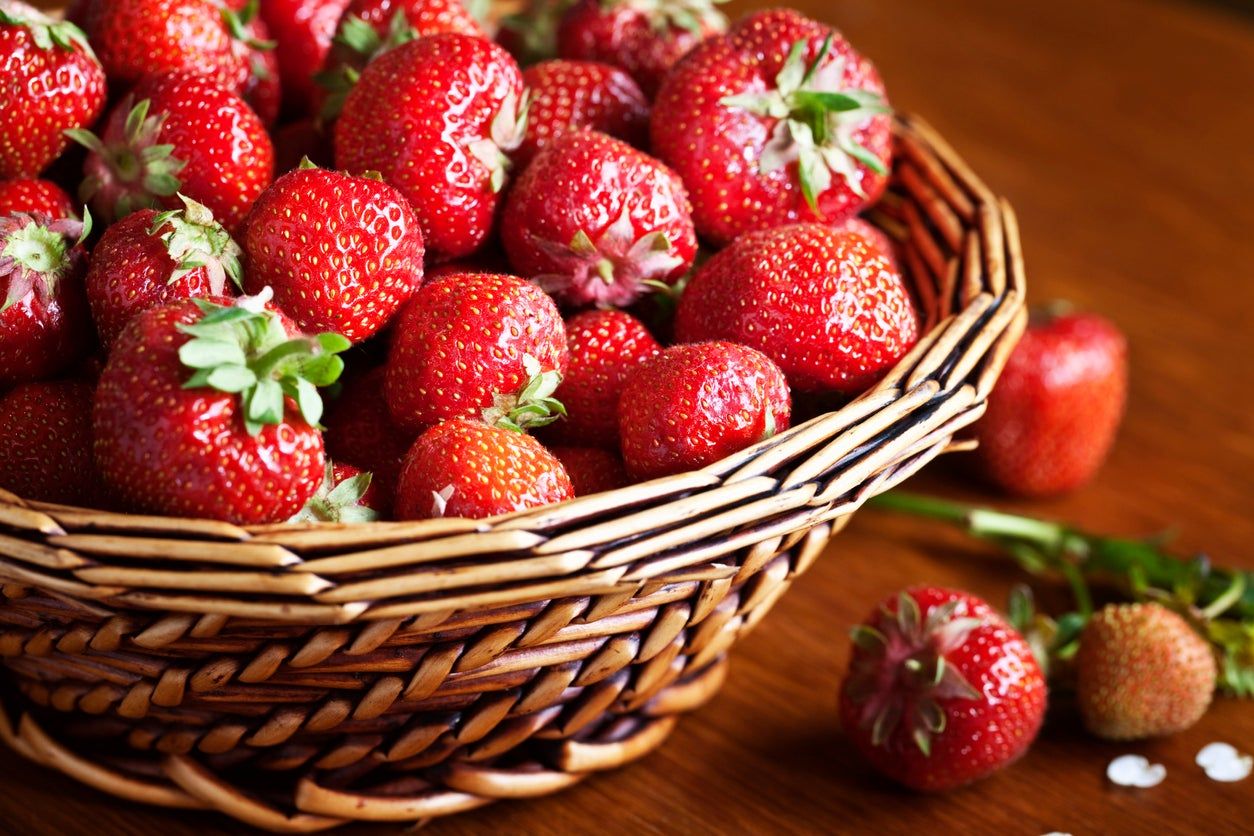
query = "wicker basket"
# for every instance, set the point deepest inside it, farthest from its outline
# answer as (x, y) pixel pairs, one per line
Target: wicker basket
(298, 678)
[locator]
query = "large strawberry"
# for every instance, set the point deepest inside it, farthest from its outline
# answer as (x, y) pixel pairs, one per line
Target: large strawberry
(211, 411)
(778, 121)
(644, 37)
(692, 405)
(45, 443)
(178, 133)
(436, 117)
(149, 259)
(941, 690)
(44, 323)
(346, 495)
(592, 469)
(302, 32)
(475, 343)
(342, 253)
(824, 303)
(464, 468)
(594, 221)
(567, 95)
(360, 430)
(1054, 413)
(51, 83)
(34, 196)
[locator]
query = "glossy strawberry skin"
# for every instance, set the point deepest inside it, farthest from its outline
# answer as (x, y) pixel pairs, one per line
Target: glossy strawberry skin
(824, 303)
(151, 436)
(692, 405)
(30, 196)
(716, 148)
(360, 430)
(569, 95)
(413, 117)
(592, 469)
(482, 471)
(462, 340)
(45, 443)
(302, 31)
(45, 92)
(1054, 413)
(342, 253)
(426, 17)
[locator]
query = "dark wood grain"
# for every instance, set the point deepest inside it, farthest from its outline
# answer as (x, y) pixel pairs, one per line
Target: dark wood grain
(1121, 132)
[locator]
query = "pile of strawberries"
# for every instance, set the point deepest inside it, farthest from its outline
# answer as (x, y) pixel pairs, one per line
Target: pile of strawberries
(475, 288)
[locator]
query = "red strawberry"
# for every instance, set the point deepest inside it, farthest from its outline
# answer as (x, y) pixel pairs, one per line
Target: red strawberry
(346, 495)
(778, 121)
(52, 83)
(644, 37)
(594, 221)
(435, 117)
(568, 95)
(605, 346)
(693, 405)
(44, 323)
(474, 343)
(148, 259)
(186, 135)
(592, 469)
(824, 303)
(211, 411)
(1054, 413)
(360, 430)
(45, 443)
(941, 690)
(464, 468)
(342, 253)
(34, 196)
(302, 32)
(222, 40)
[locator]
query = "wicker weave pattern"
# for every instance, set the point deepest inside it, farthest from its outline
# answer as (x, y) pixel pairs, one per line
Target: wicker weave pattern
(403, 671)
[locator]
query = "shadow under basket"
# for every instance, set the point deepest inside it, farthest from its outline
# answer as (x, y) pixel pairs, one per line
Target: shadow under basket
(301, 677)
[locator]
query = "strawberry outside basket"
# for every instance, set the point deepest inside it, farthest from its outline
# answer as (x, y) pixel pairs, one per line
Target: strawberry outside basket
(301, 677)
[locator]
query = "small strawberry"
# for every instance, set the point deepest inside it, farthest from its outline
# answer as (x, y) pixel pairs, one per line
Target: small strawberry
(212, 411)
(52, 83)
(592, 469)
(302, 32)
(436, 117)
(1054, 413)
(34, 197)
(346, 495)
(693, 405)
(464, 468)
(342, 253)
(1142, 671)
(941, 691)
(644, 37)
(568, 95)
(824, 303)
(177, 134)
(472, 343)
(45, 443)
(149, 259)
(360, 430)
(45, 327)
(594, 221)
(777, 122)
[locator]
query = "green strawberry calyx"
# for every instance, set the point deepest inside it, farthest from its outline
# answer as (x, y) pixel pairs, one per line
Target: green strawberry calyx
(531, 407)
(195, 241)
(237, 23)
(37, 251)
(817, 119)
(360, 44)
(243, 349)
(338, 502)
(47, 32)
(505, 134)
(697, 17)
(900, 674)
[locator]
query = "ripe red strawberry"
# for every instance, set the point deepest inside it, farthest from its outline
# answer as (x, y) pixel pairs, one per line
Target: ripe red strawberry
(435, 117)
(176, 134)
(644, 37)
(473, 343)
(211, 411)
(824, 303)
(360, 430)
(302, 32)
(593, 221)
(342, 253)
(941, 690)
(693, 405)
(604, 346)
(45, 443)
(568, 95)
(777, 122)
(52, 83)
(149, 259)
(592, 469)
(44, 323)
(1054, 413)
(346, 495)
(463, 468)
(34, 196)
(222, 40)
(1142, 671)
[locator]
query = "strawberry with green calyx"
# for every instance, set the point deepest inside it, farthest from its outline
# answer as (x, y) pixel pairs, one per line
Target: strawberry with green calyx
(346, 495)
(533, 406)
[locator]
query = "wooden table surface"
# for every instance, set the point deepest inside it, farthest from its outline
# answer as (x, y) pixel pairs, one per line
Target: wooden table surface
(1121, 131)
